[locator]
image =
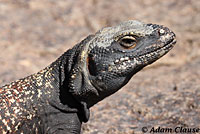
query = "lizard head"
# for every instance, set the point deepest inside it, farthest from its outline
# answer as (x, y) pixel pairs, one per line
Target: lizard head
(114, 54)
(117, 53)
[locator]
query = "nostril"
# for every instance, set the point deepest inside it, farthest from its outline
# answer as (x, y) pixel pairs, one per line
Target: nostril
(161, 31)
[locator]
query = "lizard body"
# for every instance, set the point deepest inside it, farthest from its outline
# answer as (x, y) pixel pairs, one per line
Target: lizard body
(57, 99)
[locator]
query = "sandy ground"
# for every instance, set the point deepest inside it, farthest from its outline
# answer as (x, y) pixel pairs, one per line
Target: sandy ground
(33, 33)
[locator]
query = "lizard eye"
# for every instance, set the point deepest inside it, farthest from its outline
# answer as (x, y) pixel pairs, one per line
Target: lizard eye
(128, 42)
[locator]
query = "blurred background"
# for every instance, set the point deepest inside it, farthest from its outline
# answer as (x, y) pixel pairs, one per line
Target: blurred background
(33, 33)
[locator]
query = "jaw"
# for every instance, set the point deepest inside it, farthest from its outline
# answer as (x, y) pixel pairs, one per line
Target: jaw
(152, 56)
(159, 49)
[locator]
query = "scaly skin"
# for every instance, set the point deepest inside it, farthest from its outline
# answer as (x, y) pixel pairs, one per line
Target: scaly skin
(57, 99)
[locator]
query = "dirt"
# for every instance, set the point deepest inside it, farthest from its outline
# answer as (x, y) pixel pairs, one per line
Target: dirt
(33, 33)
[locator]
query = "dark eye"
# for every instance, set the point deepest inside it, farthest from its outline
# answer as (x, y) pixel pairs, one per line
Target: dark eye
(128, 42)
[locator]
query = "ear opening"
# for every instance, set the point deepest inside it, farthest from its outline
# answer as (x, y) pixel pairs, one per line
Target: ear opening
(91, 65)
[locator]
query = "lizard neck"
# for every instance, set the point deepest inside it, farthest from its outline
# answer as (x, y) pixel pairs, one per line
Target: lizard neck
(62, 98)
(56, 79)
(49, 86)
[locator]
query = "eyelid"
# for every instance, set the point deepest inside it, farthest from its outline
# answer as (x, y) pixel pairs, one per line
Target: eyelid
(136, 36)
(133, 37)
(128, 37)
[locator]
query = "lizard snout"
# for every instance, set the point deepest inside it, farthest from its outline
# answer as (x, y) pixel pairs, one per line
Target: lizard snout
(167, 36)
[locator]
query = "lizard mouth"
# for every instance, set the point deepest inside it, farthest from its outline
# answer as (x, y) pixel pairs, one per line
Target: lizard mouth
(159, 49)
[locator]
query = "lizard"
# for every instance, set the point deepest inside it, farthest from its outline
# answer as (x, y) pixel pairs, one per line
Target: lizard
(57, 99)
